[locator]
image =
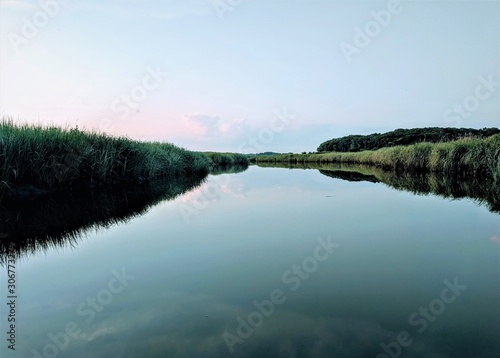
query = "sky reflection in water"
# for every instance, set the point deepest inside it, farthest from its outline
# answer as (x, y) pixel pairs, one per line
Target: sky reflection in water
(193, 278)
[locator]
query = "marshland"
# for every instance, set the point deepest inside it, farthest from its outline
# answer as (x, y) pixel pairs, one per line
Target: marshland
(217, 231)
(242, 179)
(39, 159)
(467, 156)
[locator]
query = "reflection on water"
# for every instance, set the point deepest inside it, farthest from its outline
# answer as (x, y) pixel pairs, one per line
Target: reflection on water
(29, 225)
(481, 191)
(62, 218)
(232, 169)
(255, 233)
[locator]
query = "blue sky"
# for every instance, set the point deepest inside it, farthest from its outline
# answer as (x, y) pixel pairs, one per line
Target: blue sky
(219, 74)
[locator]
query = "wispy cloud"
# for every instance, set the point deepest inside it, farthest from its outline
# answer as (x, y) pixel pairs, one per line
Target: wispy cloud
(212, 126)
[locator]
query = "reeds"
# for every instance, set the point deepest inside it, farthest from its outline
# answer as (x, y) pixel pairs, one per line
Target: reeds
(478, 157)
(41, 158)
(227, 159)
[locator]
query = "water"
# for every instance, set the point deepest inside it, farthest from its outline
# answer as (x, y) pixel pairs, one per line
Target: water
(338, 268)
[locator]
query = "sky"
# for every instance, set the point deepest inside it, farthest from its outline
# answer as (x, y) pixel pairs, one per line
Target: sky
(250, 75)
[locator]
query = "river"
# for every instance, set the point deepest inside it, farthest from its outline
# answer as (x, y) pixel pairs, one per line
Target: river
(269, 262)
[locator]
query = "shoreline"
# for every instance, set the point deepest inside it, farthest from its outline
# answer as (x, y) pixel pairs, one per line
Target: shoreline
(37, 160)
(477, 157)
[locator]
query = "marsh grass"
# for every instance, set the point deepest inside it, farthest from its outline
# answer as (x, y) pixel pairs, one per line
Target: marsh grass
(468, 156)
(34, 159)
(220, 159)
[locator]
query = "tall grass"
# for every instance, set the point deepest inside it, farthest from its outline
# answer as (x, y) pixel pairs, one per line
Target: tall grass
(50, 157)
(227, 159)
(479, 157)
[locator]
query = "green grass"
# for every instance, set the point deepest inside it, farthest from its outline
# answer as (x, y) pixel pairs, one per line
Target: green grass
(479, 157)
(227, 159)
(35, 158)
(356, 143)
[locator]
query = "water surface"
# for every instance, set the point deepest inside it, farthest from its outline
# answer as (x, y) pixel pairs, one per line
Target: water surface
(191, 269)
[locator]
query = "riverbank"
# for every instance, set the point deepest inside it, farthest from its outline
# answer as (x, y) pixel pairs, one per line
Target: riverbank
(36, 159)
(478, 157)
(224, 159)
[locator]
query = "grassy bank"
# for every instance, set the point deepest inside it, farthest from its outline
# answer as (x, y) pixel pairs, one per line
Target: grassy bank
(356, 143)
(465, 156)
(218, 159)
(34, 159)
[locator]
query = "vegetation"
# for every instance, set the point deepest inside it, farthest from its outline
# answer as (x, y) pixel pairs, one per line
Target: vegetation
(218, 159)
(478, 157)
(51, 161)
(35, 159)
(356, 143)
(251, 157)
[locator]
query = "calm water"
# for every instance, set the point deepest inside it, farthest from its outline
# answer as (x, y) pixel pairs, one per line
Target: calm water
(270, 262)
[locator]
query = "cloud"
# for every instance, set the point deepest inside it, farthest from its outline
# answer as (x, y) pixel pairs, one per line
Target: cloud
(235, 127)
(213, 189)
(212, 126)
(192, 325)
(201, 125)
(180, 324)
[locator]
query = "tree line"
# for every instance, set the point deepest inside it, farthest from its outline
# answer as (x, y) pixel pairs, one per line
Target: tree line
(356, 143)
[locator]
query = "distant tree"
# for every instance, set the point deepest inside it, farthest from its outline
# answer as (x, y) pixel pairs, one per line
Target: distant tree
(355, 143)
